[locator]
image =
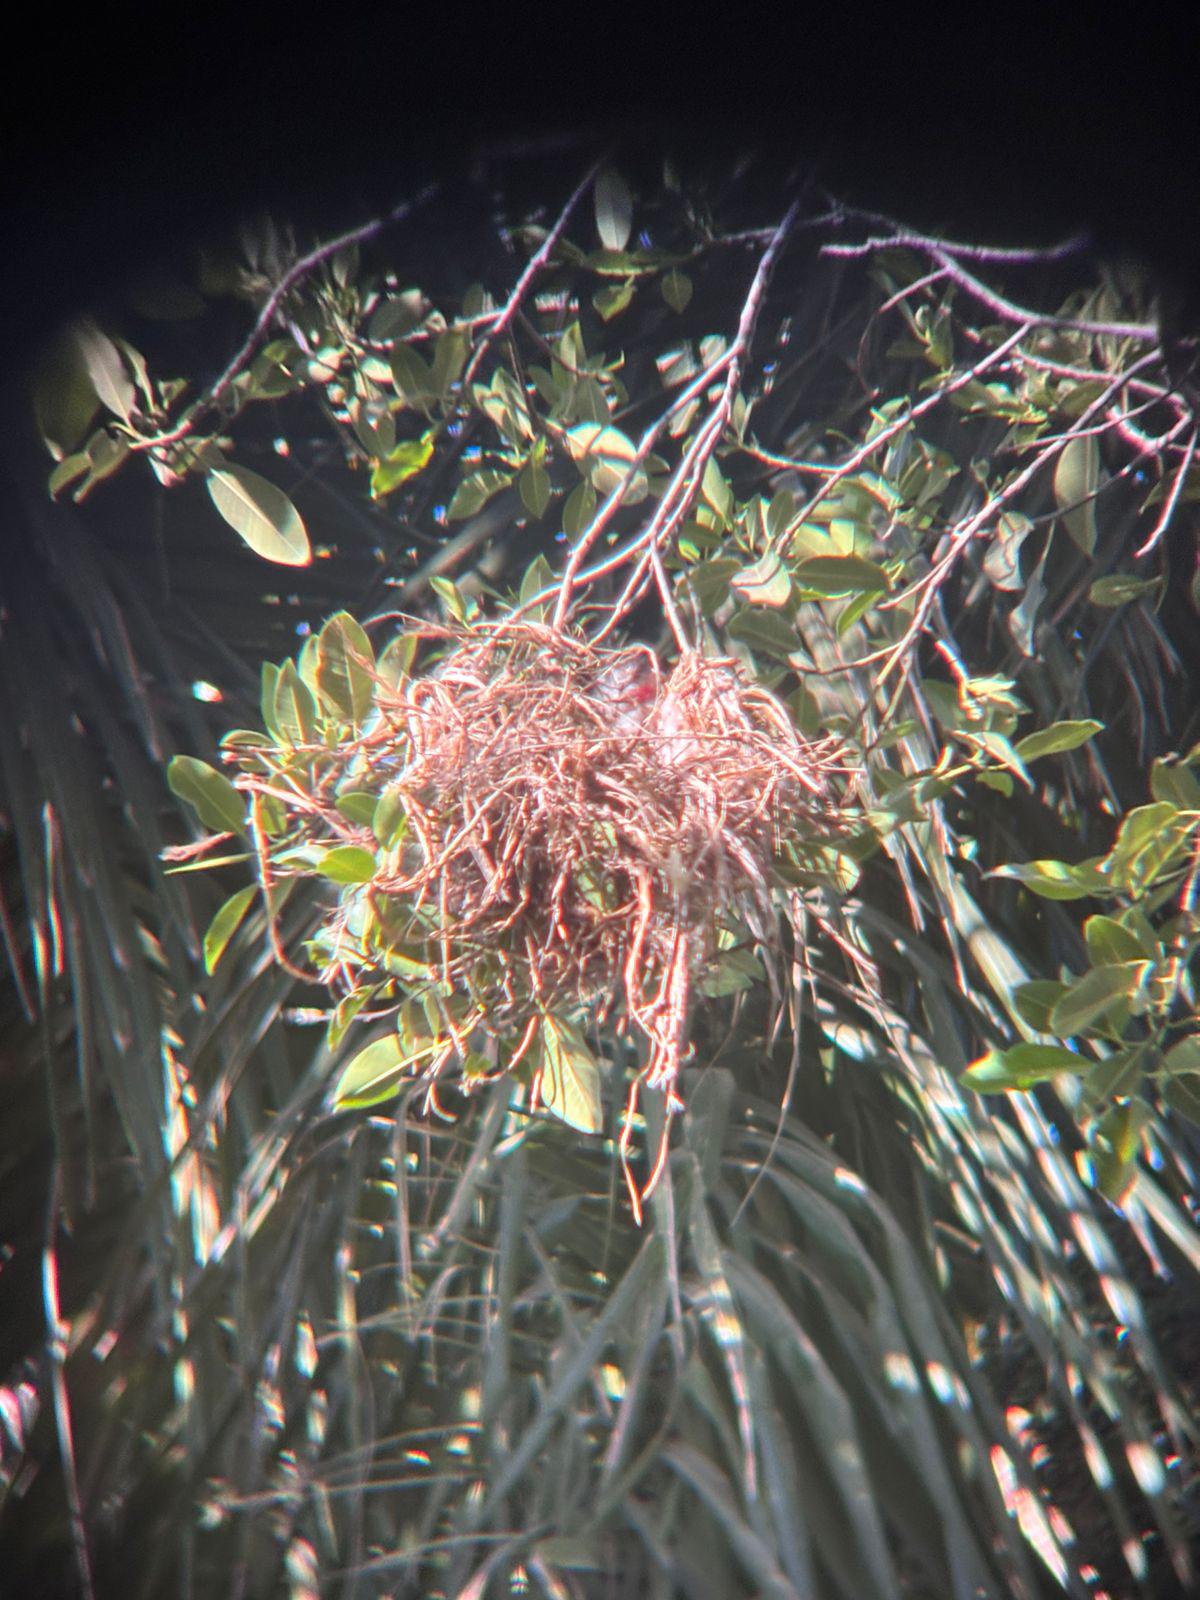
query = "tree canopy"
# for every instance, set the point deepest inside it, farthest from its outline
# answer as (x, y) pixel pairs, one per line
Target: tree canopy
(741, 1146)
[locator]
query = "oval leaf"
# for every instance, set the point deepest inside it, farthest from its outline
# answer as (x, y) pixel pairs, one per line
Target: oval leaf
(1120, 587)
(373, 1075)
(570, 1076)
(614, 209)
(225, 924)
(1076, 477)
(1058, 736)
(1055, 880)
(836, 575)
(1089, 997)
(605, 455)
(348, 863)
(766, 583)
(210, 794)
(1021, 1066)
(474, 492)
(262, 514)
(676, 290)
(345, 661)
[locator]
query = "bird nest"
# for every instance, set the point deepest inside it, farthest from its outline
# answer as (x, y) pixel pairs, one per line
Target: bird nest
(572, 833)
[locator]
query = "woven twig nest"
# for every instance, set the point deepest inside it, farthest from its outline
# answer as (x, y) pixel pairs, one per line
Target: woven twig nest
(574, 832)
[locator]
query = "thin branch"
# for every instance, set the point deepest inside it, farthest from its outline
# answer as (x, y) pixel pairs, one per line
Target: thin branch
(298, 270)
(952, 268)
(1168, 511)
(982, 253)
(685, 484)
(534, 265)
(898, 425)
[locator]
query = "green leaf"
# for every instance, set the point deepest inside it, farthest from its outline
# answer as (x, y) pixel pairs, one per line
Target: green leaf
(1055, 880)
(578, 509)
(1121, 587)
(1114, 1148)
(390, 821)
(450, 595)
(1174, 782)
(295, 709)
(399, 465)
(1034, 1001)
(396, 316)
(765, 583)
(261, 514)
(411, 375)
(1183, 1096)
(1021, 1066)
(474, 492)
(374, 1075)
(763, 630)
(1093, 995)
(345, 662)
(449, 359)
(270, 680)
(1076, 477)
(533, 485)
(64, 399)
(1001, 782)
(676, 289)
(1109, 941)
(1152, 842)
(612, 299)
(68, 470)
(358, 806)
(347, 863)
(225, 924)
(1184, 1055)
(614, 209)
(838, 575)
(710, 582)
(210, 794)
(1058, 736)
(538, 578)
(605, 454)
(1001, 751)
(570, 1082)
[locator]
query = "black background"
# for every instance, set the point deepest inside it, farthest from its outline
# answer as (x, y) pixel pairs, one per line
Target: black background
(128, 134)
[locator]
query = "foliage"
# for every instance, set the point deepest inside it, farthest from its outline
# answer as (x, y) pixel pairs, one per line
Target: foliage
(878, 1334)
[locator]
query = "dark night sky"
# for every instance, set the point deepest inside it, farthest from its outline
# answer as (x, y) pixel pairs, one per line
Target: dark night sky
(126, 135)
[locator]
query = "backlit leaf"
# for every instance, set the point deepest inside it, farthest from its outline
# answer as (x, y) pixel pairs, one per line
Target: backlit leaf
(570, 1076)
(614, 209)
(676, 289)
(399, 465)
(262, 514)
(374, 1075)
(344, 663)
(1076, 476)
